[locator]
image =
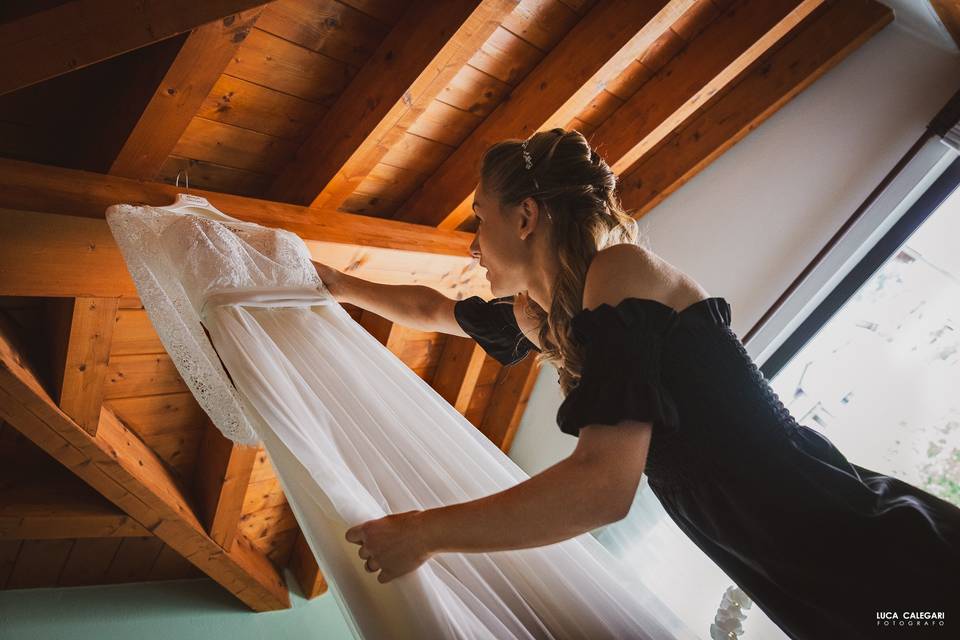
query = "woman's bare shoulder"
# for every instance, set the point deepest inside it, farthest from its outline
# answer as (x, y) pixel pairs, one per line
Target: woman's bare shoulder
(632, 271)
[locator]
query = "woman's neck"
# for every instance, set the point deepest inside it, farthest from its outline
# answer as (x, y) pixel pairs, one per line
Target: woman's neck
(541, 285)
(543, 270)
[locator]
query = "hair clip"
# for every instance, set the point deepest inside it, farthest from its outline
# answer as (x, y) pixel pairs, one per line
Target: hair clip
(527, 160)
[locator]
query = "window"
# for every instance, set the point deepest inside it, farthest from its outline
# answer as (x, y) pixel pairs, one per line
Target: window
(876, 367)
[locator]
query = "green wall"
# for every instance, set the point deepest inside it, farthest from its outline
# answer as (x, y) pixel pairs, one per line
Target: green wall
(173, 610)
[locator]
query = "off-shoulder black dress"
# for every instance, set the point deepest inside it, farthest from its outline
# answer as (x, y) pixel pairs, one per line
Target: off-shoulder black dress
(826, 548)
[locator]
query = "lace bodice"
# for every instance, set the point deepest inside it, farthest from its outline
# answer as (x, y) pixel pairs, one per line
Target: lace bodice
(178, 261)
(210, 255)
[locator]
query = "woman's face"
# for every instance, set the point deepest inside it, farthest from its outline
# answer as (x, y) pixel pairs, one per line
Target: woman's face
(498, 244)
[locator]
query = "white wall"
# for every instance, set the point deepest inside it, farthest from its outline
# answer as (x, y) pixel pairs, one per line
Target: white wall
(749, 223)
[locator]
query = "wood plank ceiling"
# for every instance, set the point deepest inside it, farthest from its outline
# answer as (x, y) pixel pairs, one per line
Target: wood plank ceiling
(357, 124)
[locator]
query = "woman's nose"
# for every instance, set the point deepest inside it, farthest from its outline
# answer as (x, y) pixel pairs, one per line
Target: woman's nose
(475, 248)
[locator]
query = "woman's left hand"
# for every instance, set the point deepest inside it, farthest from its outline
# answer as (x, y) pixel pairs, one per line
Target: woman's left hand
(393, 545)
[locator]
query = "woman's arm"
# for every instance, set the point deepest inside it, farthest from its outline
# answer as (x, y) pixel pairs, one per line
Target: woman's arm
(592, 487)
(414, 306)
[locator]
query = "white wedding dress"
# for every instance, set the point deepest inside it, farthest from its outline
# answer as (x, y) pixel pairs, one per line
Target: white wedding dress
(354, 435)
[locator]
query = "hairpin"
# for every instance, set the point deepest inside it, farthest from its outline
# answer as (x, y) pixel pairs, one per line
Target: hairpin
(527, 160)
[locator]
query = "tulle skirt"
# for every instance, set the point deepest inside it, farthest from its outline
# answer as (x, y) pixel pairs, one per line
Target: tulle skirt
(354, 435)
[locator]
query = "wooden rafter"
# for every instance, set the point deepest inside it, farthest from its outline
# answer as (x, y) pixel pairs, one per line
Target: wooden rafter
(32, 187)
(221, 483)
(73, 253)
(78, 33)
(81, 361)
(34, 507)
(198, 65)
(305, 569)
(949, 13)
(458, 371)
(389, 334)
(598, 48)
(412, 65)
(829, 35)
(508, 401)
(116, 463)
(715, 58)
(60, 256)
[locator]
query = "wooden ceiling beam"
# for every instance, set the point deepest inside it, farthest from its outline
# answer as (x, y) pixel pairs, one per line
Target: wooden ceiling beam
(601, 45)
(79, 33)
(827, 37)
(458, 371)
(713, 60)
(221, 483)
(387, 333)
(949, 13)
(42, 510)
(81, 360)
(33, 187)
(199, 64)
(66, 256)
(72, 253)
(304, 566)
(124, 470)
(508, 401)
(410, 68)
(60, 256)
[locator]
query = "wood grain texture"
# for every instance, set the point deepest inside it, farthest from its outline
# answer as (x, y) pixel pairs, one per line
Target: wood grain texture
(199, 63)
(407, 70)
(826, 38)
(598, 48)
(82, 32)
(508, 401)
(86, 362)
(305, 569)
(715, 59)
(125, 471)
(221, 484)
(31, 187)
(458, 371)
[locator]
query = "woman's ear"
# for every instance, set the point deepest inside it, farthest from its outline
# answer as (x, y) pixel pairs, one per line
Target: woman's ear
(529, 216)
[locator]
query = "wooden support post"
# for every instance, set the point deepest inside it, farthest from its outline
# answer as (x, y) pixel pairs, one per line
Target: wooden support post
(82, 356)
(458, 371)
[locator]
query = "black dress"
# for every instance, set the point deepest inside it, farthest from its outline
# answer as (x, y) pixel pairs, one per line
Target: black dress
(823, 546)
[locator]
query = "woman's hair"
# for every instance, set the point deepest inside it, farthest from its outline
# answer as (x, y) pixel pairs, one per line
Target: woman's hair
(572, 182)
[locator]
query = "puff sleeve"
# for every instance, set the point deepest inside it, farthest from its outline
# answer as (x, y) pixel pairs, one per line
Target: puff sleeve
(494, 326)
(620, 377)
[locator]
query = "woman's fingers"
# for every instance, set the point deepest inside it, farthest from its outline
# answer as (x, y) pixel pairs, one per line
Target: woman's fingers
(363, 553)
(372, 565)
(355, 534)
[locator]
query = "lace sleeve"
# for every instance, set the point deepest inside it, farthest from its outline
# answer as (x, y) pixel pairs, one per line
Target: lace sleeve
(137, 233)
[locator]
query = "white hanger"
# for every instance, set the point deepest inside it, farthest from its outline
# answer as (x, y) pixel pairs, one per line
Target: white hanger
(197, 205)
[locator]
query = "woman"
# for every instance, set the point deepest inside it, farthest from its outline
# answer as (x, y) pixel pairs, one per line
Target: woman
(656, 382)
